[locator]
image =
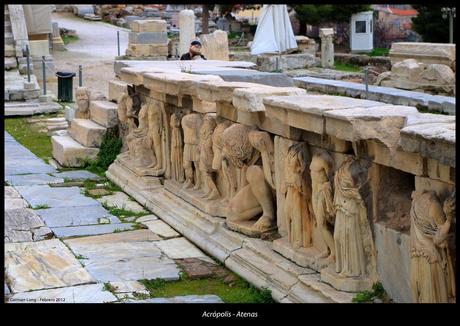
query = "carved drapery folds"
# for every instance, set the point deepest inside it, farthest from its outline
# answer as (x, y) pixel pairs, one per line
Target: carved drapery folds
(432, 274)
(297, 207)
(191, 124)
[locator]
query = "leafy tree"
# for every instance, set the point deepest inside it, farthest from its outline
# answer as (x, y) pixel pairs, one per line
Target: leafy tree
(430, 24)
(319, 14)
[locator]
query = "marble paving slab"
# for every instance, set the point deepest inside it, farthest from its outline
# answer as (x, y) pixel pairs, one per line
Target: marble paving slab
(42, 265)
(86, 230)
(92, 293)
(55, 197)
(75, 216)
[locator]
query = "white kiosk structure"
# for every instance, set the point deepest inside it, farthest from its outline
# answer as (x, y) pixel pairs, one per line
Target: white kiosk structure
(362, 32)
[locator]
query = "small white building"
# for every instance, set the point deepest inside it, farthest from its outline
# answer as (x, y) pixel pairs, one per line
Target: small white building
(362, 32)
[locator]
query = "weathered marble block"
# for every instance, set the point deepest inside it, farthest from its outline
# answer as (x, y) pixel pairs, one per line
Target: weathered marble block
(307, 111)
(149, 25)
(148, 37)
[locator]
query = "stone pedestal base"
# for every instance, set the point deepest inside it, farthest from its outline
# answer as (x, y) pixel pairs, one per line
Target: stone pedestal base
(217, 207)
(123, 176)
(246, 227)
(125, 160)
(348, 284)
(304, 257)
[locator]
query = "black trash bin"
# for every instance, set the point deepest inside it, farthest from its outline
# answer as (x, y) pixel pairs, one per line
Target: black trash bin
(65, 85)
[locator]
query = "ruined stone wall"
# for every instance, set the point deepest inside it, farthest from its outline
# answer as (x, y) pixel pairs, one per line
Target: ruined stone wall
(335, 185)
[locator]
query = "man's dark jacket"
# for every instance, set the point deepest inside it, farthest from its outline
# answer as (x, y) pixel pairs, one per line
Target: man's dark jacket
(187, 56)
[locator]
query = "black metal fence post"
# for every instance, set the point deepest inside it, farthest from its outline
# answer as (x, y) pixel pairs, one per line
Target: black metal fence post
(28, 63)
(44, 74)
(118, 42)
(80, 76)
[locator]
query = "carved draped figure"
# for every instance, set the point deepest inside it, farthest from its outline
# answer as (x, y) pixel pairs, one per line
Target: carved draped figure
(177, 168)
(123, 127)
(139, 142)
(355, 254)
(298, 211)
(432, 273)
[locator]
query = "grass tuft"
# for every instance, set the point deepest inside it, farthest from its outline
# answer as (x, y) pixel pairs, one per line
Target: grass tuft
(238, 291)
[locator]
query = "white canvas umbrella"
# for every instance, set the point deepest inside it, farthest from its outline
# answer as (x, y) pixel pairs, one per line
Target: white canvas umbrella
(274, 31)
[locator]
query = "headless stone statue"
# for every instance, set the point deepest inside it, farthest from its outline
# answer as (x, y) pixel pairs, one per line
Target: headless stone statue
(140, 143)
(207, 155)
(219, 165)
(191, 124)
(432, 272)
(155, 130)
(322, 200)
(297, 208)
(355, 253)
(177, 167)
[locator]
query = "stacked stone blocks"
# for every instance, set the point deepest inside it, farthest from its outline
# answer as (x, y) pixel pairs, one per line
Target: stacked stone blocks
(148, 39)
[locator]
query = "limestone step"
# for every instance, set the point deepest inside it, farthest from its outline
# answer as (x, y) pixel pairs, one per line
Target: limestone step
(69, 153)
(10, 50)
(8, 28)
(10, 63)
(104, 113)
(116, 88)
(9, 38)
(87, 132)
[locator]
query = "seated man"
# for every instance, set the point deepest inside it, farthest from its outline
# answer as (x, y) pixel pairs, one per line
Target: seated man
(194, 52)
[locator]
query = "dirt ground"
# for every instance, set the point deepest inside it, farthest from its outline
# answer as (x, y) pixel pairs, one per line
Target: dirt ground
(95, 50)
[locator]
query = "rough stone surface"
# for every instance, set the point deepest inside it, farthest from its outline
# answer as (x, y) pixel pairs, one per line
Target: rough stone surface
(120, 261)
(53, 266)
(432, 140)
(442, 53)
(79, 175)
(148, 37)
(146, 218)
(272, 63)
(388, 95)
(92, 293)
(15, 203)
(22, 225)
(148, 25)
(187, 30)
(32, 179)
(122, 201)
(116, 88)
(70, 153)
(85, 230)
(179, 248)
(251, 99)
(87, 132)
(393, 262)
(161, 228)
(215, 45)
(73, 216)
(104, 113)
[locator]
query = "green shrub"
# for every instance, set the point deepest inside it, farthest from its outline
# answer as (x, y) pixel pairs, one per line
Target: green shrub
(110, 148)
